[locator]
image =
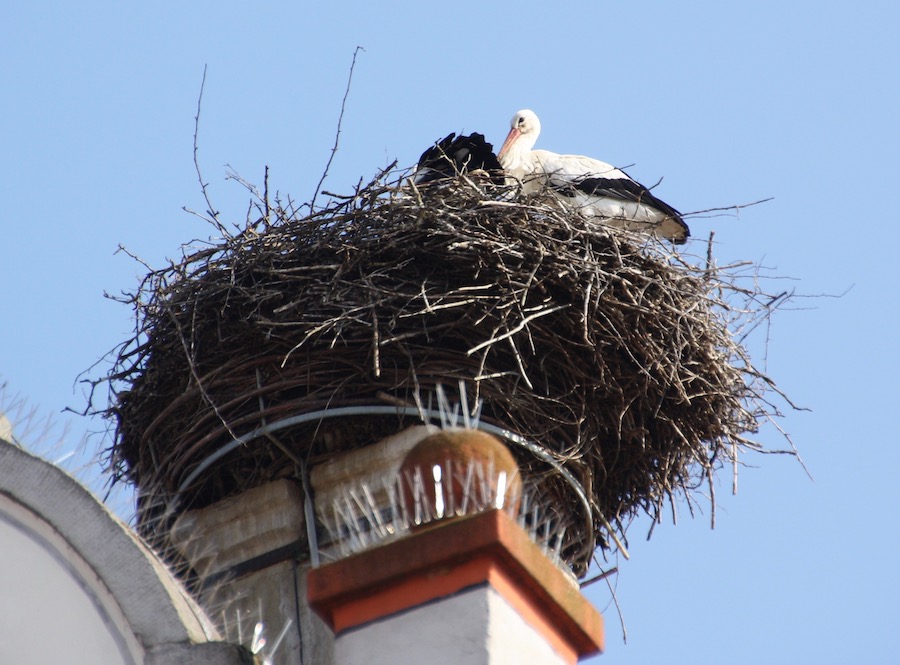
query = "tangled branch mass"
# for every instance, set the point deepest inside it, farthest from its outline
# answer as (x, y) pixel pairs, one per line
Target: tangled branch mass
(613, 353)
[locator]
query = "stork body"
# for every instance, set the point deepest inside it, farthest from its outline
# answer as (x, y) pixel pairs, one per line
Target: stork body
(598, 189)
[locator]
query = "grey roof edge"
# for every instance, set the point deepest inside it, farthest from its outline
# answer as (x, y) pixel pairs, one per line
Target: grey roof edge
(156, 606)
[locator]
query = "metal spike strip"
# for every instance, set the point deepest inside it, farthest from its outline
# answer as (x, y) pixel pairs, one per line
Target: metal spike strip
(357, 521)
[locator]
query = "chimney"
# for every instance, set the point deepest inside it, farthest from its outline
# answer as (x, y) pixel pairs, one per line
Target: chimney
(469, 589)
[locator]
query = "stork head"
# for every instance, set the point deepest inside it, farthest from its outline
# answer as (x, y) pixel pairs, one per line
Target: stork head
(523, 134)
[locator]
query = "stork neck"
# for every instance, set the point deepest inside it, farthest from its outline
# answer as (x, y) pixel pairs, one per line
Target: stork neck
(517, 155)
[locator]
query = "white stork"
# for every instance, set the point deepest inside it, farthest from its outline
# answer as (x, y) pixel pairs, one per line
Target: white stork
(596, 188)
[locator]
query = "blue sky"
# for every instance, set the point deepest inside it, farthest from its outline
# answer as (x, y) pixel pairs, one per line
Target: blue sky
(728, 102)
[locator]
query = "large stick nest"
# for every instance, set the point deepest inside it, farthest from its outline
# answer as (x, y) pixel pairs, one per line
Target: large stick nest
(615, 355)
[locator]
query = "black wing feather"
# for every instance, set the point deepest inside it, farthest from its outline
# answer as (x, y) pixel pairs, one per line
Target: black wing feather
(453, 155)
(631, 191)
(624, 189)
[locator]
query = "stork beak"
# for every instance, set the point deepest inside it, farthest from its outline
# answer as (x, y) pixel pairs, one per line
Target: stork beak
(511, 138)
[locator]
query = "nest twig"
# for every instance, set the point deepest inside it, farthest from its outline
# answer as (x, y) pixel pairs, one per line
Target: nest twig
(615, 354)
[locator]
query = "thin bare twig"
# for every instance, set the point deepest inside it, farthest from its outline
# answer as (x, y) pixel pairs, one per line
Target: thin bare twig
(612, 592)
(736, 208)
(602, 576)
(210, 209)
(337, 134)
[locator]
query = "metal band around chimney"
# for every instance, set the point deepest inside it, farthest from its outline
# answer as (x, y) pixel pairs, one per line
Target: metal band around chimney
(421, 412)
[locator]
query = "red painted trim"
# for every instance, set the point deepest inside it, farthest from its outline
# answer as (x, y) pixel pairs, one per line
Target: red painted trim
(538, 617)
(451, 556)
(413, 591)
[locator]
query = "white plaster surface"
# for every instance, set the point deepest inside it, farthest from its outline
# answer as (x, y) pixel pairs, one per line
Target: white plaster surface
(474, 627)
(47, 607)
